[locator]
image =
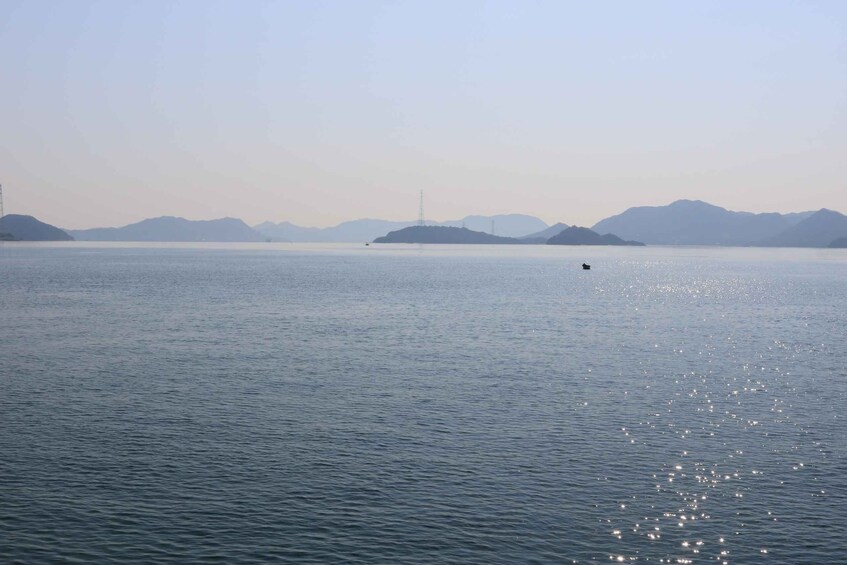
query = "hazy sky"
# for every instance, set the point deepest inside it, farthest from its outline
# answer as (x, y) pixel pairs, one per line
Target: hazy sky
(318, 112)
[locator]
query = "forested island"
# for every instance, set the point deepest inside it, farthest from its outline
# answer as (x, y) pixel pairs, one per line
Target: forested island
(443, 234)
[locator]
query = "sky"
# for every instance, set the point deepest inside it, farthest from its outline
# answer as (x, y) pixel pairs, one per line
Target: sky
(319, 112)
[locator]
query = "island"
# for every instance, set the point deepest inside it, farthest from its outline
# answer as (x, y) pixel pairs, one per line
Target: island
(443, 234)
(583, 236)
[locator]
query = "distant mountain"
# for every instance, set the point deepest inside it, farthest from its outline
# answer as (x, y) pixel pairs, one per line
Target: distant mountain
(27, 228)
(583, 236)
(818, 230)
(352, 231)
(795, 218)
(839, 243)
(282, 231)
(443, 234)
(168, 228)
(504, 225)
(507, 225)
(545, 234)
(692, 222)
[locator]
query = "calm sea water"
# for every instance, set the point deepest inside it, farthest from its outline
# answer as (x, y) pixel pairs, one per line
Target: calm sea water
(422, 404)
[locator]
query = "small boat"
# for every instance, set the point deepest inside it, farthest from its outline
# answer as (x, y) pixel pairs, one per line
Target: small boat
(586, 267)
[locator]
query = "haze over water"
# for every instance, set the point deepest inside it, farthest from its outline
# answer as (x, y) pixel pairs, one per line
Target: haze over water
(320, 403)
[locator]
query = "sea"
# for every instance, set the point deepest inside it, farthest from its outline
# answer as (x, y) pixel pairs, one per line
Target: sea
(343, 403)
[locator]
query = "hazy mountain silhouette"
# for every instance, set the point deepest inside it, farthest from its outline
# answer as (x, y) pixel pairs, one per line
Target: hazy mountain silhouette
(509, 225)
(169, 228)
(27, 228)
(684, 222)
(795, 218)
(545, 234)
(442, 234)
(505, 225)
(693, 222)
(583, 236)
(818, 230)
(352, 231)
(841, 242)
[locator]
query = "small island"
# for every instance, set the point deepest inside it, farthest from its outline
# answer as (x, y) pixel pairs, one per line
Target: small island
(443, 234)
(584, 236)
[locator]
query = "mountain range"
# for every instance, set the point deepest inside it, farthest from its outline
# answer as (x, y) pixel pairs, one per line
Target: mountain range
(821, 229)
(505, 225)
(693, 222)
(684, 222)
(169, 228)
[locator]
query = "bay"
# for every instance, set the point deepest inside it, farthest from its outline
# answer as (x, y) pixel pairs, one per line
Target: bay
(419, 404)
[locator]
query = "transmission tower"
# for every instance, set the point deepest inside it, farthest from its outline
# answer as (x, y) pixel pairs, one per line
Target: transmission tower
(420, 212)
(1, 201)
